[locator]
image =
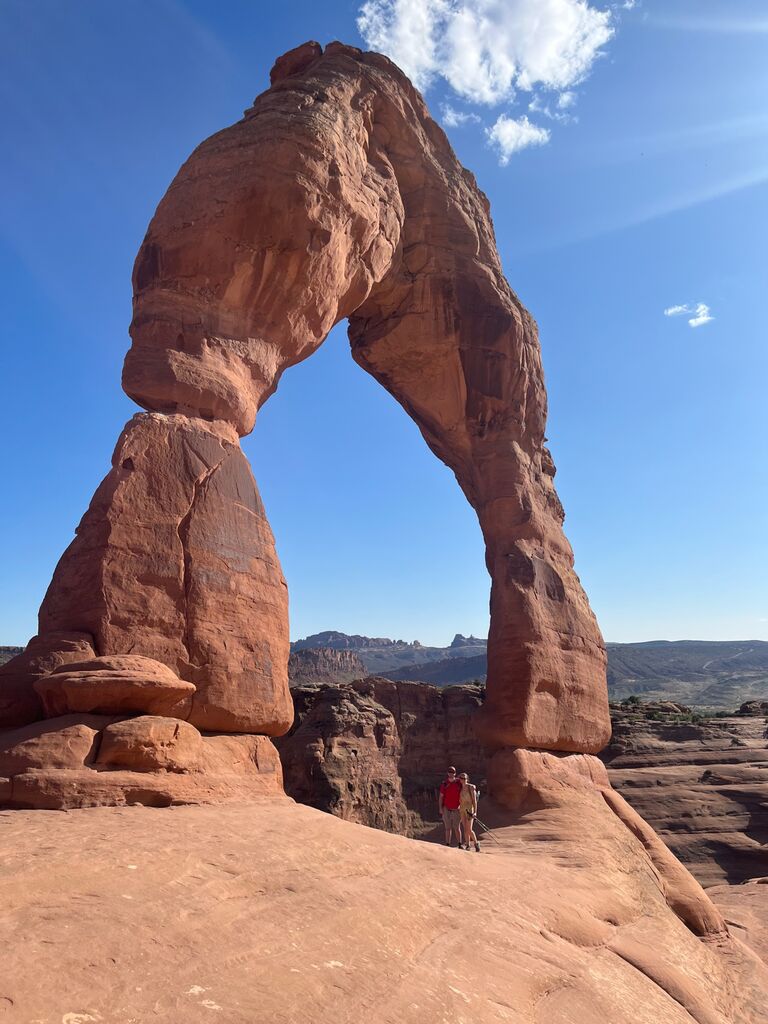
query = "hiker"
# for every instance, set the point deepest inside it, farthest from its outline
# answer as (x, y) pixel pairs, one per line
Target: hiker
(448, 805)
(467, 812)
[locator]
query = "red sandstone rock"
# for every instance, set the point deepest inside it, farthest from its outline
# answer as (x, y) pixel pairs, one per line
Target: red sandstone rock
(324, 665)
(114, 685)
(149, 743)
(527, 781)
(67, 742)
(375, 751)
(138, 765)
(272, 913)
(19, 702)
(175, 561)
(701, 785)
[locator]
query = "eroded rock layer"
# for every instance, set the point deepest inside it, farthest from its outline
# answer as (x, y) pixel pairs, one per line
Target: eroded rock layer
(701, 784)
(272, 913)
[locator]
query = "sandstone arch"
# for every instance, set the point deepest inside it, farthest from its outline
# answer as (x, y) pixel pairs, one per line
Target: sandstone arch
(336, 196)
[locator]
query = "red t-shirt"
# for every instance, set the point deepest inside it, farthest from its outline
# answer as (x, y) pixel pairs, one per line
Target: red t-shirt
(451, 794)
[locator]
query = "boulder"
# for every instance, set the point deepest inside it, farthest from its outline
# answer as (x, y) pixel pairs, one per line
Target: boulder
(19, 701)
(67, 742)
(149, 743)
(114, 685)
(224, 769)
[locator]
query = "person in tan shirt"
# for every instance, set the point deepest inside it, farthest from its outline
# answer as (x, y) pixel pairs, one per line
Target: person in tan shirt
(467, 811)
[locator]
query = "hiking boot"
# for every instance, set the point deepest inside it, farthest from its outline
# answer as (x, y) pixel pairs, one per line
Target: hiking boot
(477, 847)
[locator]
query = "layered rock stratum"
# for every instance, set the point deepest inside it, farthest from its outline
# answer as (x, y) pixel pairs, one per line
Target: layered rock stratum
(702, 783)
(324, 665)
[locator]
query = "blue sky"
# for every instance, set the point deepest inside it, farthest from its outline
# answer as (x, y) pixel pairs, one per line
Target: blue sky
(644, 189)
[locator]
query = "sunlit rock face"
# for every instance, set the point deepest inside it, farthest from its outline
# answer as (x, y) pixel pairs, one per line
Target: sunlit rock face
(336, 196)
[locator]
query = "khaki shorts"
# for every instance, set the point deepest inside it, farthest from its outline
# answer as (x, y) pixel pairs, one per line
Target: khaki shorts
(451, 819)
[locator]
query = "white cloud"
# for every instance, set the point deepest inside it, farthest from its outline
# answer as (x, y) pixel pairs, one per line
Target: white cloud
(453, 118)
(487, 49)
(702, 315)
(700, 311)
(509, 135)
(406, 31)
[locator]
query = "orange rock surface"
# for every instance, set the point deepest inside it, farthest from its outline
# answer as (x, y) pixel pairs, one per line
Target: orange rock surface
(271, 913)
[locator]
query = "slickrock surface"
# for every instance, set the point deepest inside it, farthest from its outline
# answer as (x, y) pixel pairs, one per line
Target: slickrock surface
(375, 751)
(702, 785)
(745, 909)
(324, 665)
(272, 912)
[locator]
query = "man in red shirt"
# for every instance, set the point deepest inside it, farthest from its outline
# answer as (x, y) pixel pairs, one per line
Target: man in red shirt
(448, 805)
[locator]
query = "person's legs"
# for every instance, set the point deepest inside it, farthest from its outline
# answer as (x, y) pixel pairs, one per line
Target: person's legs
(455, 820)
(447, 825)
(466, 828)
(473, 837)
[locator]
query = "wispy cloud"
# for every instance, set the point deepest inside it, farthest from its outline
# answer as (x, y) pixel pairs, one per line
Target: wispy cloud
(702, 315)
(489, 52)
(453, 118)
(509, 135)
(700, 310)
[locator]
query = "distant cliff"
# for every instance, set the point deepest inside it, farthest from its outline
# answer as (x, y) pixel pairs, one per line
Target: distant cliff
(324, 665)
(701, 673)
(6, 653)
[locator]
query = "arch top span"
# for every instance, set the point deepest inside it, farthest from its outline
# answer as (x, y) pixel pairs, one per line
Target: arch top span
(335, 196)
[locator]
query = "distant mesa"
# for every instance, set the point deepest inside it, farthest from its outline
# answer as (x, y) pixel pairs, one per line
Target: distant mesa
(324, 665)
(712, 674)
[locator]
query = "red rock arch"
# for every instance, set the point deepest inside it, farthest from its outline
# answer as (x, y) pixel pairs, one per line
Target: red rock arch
(336, 196)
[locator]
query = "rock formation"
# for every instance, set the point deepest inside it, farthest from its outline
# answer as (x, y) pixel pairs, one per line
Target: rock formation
(336, 196)
(374, 751)
(701, 784)
(273, 913)
(324, 665)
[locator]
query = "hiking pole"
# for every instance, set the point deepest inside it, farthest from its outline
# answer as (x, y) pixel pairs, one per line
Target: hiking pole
(485, 829)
